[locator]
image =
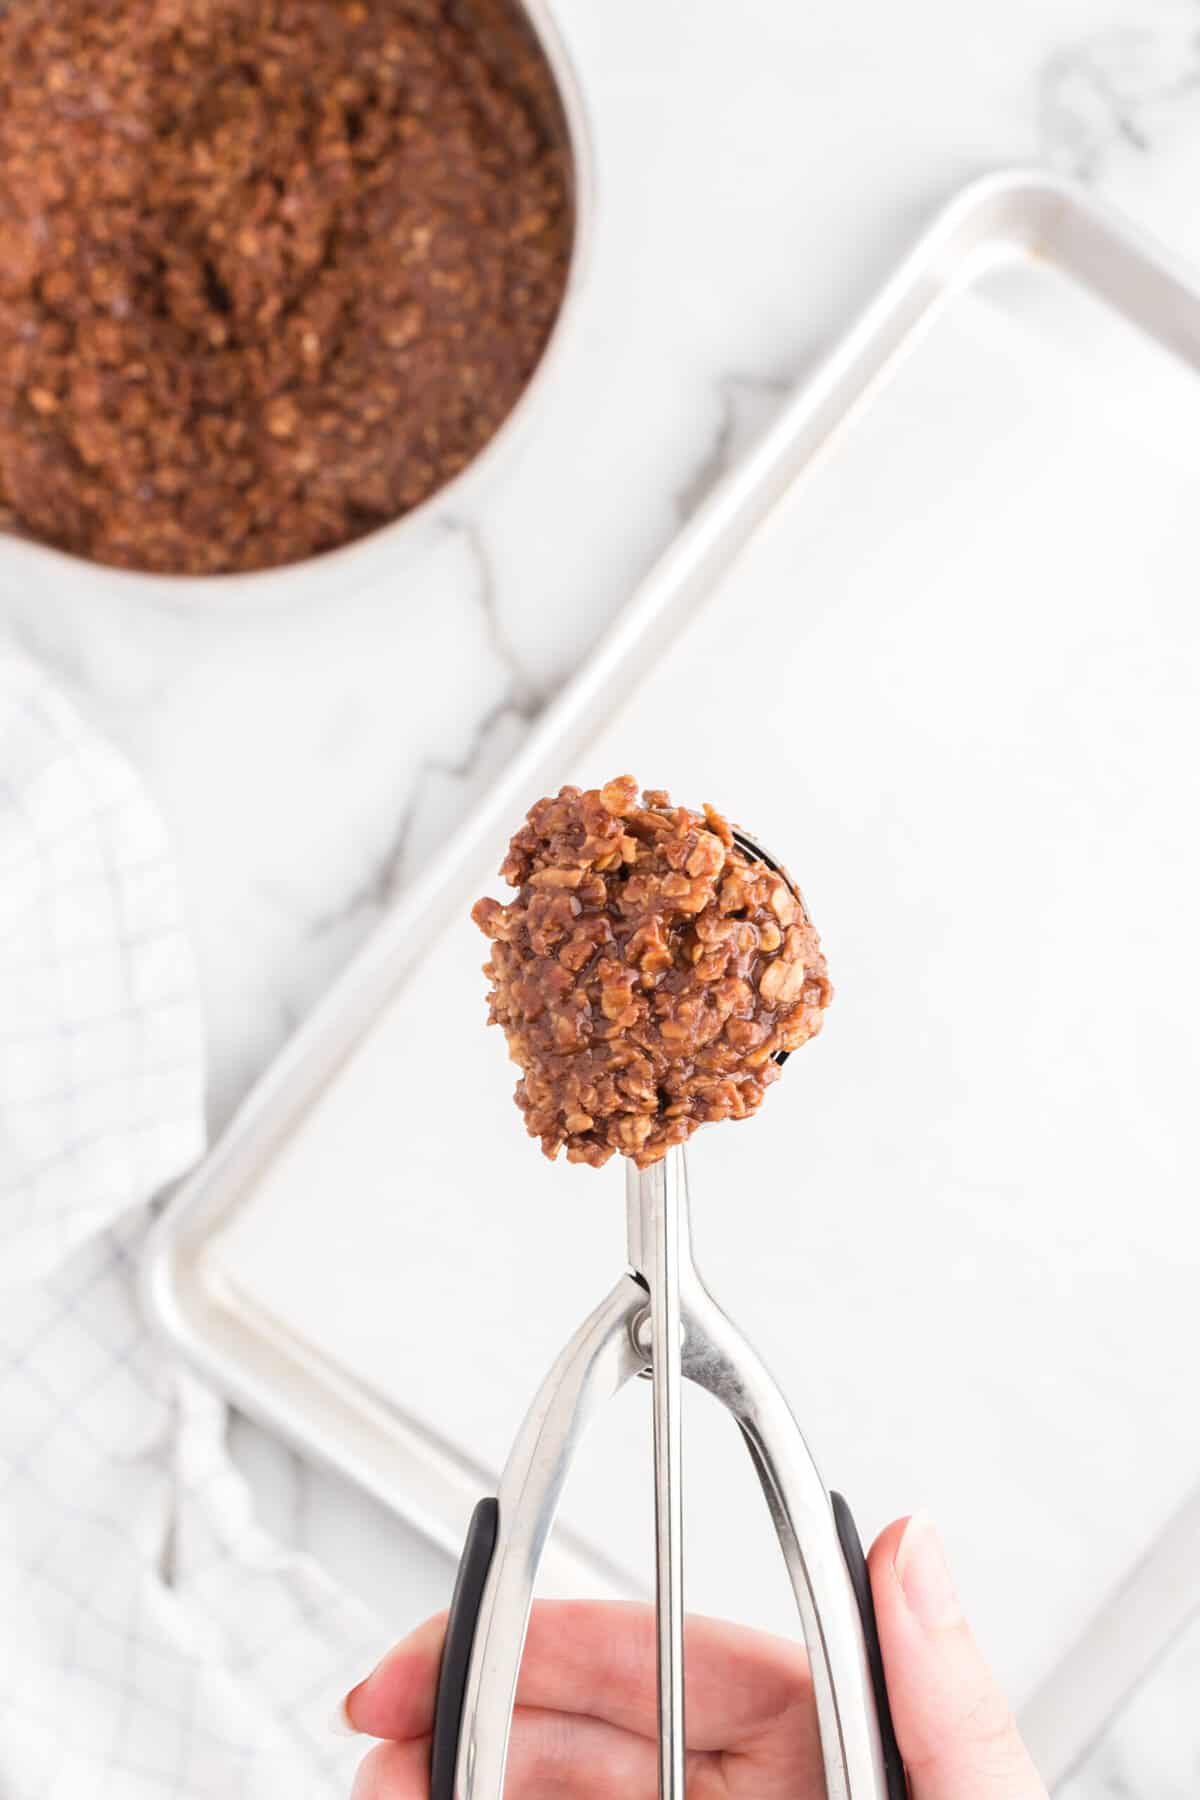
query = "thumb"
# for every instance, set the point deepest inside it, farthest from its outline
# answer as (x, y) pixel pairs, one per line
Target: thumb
(957, 1735)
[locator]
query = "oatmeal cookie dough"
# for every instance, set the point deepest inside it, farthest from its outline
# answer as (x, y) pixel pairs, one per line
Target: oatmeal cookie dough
(271, 271)
(647, 973)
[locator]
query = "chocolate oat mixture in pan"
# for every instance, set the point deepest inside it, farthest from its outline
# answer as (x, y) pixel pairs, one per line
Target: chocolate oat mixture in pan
(271, 271)
(646, 973)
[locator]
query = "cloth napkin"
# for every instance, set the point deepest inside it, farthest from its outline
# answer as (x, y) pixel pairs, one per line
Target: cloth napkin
(155, 1642)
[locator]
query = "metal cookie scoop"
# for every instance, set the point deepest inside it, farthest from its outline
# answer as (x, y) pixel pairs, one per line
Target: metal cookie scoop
(661, 1319)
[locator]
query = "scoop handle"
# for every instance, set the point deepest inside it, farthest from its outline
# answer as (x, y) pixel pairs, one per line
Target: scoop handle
(860, 1580)
(473, 1567)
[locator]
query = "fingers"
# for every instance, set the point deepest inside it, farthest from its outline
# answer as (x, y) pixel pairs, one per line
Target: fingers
(394, 1772)
(598, 1660)
(396, 1699)
(956, 1732)
(551, 1754)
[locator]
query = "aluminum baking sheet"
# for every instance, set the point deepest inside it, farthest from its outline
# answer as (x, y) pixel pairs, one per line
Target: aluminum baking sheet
(935, 642)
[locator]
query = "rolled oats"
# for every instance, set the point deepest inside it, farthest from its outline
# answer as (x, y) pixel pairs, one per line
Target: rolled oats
(647, 973)
(271, 271)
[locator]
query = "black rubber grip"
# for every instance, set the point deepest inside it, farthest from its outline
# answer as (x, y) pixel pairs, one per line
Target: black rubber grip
(856, 1562)
(456, 1652)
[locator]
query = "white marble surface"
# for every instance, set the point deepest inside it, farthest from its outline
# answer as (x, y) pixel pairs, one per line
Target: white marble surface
(758, 167)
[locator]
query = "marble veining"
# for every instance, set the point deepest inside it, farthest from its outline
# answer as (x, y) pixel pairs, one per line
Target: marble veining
(509, 715)
(758, 170)
(1121, 90)
(748, 405)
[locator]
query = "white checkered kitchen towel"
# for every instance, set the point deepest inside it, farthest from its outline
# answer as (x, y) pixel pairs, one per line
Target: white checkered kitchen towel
(153, 1641)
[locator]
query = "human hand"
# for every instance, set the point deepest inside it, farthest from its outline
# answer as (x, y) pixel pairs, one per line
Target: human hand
(586, 1713)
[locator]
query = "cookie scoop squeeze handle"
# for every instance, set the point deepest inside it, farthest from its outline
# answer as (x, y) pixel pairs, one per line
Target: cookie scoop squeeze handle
(473, 1569)
(816, 1534)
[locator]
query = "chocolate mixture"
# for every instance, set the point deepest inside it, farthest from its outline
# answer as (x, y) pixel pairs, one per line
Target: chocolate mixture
(647, 973)
(271, 271)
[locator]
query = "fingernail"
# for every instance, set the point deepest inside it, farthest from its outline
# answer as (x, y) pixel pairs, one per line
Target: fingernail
(924, 1576)
(340, 1722)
